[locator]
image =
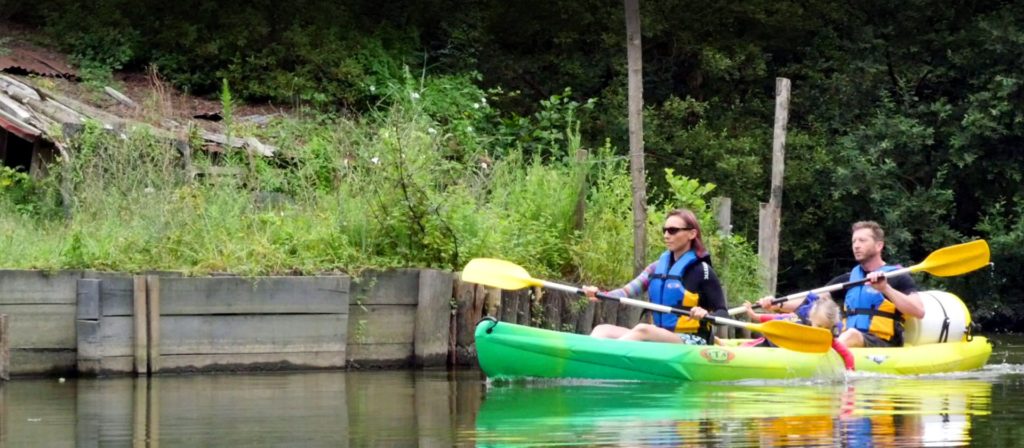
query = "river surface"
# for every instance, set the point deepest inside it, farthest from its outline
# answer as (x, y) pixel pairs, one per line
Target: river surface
(460, 408)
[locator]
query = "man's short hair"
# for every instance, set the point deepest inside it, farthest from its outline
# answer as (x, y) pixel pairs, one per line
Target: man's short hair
(876, 230)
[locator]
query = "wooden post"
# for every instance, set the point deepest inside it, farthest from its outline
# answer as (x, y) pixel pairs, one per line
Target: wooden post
(153, 322)
(723, 215)
(581, 199)
(634, 57)
(5, 352)
(140, 319)
(771, 214)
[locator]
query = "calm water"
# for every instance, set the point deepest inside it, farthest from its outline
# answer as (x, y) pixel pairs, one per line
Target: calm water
(439, 408)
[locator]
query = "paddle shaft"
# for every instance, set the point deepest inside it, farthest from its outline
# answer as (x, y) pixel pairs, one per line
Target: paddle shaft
(823, 289)
(646, 305)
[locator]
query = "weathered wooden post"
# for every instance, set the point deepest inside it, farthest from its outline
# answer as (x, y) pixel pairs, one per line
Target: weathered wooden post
(5, 351)
(635, 80)
(723, 216)
(140, 326)
(771, 213)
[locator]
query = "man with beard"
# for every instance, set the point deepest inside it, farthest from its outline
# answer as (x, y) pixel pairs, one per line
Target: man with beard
(874, 311)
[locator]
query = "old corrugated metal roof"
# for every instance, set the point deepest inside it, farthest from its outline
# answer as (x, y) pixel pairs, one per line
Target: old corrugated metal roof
(35, 62)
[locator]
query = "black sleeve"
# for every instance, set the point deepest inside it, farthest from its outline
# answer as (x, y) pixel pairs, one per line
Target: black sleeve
(707, 286)
(903, 283)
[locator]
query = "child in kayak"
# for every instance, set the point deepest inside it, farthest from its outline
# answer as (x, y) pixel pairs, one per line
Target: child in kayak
(816, 311)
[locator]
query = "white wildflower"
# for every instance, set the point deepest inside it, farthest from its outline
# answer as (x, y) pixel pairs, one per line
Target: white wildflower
(373, 88)
(432, 131)
(476, 105)
(375, 160)
(414, 95)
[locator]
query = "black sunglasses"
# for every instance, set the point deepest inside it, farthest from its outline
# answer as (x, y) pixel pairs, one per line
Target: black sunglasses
(674, 230)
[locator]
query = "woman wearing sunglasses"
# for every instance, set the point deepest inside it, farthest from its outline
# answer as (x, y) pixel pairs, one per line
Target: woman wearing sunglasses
(681, 278)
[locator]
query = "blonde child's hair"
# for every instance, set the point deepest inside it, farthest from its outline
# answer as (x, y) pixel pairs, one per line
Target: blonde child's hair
(828, 308)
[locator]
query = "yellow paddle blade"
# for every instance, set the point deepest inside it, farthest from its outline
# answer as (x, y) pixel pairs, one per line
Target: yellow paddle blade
(794, 336)
(497, 273)
(955, 260)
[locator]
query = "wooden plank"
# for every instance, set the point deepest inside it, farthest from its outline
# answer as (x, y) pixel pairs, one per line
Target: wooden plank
(140, 326)
(252, 361)
(552, 304)
(88, 298)
(433, 318)
(5, 353)
(115, 292)
(396, 287)
(21, 287)
(380, 355)
(29, 362)
(628, 316)
(585, 323)
(510, 306)
(257, 295)
(111, 365)
(523, 315)
(381, 324)
(112, 336)
(466, 315)
(234, 334)
(153, 322)
(41, 326)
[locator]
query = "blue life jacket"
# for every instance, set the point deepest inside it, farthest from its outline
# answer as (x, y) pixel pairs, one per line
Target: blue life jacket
(666, 288)
(868, 310)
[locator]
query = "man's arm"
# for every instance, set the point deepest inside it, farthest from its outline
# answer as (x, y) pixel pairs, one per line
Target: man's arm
(901, 291)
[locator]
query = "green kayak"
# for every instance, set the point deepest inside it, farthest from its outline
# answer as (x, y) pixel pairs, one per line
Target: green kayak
(509, 351)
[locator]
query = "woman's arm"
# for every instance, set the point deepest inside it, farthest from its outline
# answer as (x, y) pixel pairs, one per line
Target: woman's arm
(637, 286)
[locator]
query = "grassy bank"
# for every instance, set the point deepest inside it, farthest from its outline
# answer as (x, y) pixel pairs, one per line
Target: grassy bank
(418, 182)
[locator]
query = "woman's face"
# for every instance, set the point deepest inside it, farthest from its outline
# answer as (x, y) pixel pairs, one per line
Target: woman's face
(683, 235)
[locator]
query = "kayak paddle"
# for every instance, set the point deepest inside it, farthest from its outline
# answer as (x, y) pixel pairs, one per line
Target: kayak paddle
(510, 276)
(946, 262)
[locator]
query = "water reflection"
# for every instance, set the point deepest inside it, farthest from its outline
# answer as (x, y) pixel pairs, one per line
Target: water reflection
(443, 409)
(859, 412)
(382, 408)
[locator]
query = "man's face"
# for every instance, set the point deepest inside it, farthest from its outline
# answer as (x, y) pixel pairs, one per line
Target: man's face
(865, 246)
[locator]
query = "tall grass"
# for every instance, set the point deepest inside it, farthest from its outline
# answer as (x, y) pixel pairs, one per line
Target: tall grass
(407, 185)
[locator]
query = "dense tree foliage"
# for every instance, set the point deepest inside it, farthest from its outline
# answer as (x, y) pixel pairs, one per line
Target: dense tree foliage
(910, 113)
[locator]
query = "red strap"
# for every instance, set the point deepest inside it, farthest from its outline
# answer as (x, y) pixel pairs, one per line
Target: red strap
(847, 355)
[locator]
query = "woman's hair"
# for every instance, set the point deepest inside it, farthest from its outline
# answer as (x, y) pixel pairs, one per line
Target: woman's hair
(828, 308)
(691, 221)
